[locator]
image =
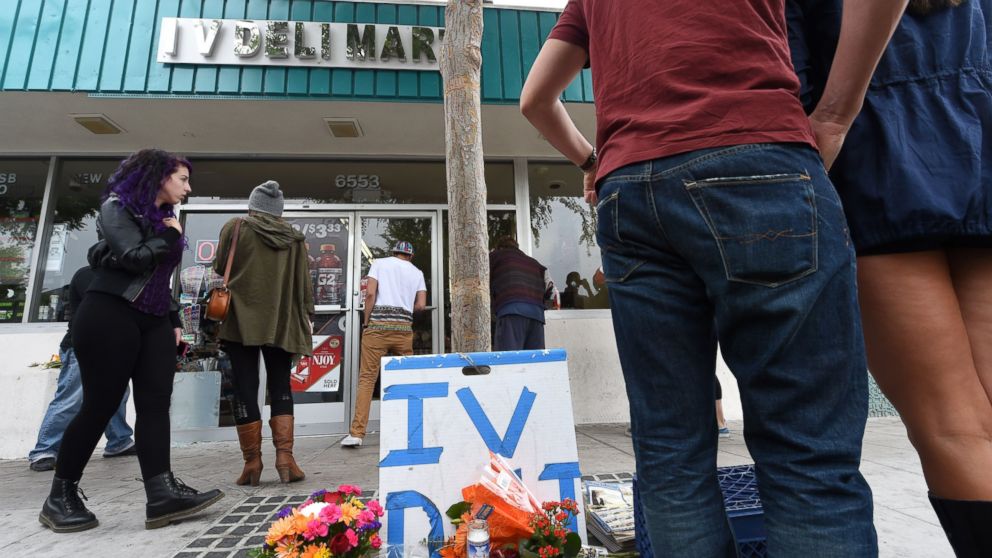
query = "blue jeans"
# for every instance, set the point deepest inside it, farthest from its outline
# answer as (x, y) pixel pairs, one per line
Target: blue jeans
(63, 408)
(747, 246)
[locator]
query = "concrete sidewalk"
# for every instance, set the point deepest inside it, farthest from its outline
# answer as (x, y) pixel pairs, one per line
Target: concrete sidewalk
(907, 527)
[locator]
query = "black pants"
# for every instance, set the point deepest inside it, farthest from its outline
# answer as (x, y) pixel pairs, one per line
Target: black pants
(244, 376)
(116, 344)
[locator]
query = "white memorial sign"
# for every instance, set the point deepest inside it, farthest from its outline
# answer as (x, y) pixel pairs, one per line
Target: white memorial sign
(439, 425)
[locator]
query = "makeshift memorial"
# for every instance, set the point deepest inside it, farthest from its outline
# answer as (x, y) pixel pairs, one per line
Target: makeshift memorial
(551, 534)
(610, 513)
(328, 524)
(54, 362)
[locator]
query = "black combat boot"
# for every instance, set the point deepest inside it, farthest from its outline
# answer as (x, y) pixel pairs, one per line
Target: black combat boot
(170, 500)
(63, 511)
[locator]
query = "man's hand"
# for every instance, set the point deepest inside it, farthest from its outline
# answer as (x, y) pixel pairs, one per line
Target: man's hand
(179, 335)
(589, 186)
(829, 135)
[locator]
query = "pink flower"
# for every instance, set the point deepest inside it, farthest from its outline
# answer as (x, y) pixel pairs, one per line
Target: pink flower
(375, 541)
(315, 528)
(350, 489)
(352, 537)
(366, 517)
(330, 514)
(375, 507)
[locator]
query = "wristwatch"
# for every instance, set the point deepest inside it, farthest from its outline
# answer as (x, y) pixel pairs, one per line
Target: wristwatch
(590, 162)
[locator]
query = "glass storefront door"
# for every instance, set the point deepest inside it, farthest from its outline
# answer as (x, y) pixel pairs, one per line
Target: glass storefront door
(341, 247)
(376, 235)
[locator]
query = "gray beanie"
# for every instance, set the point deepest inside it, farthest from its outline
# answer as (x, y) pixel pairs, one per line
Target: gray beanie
(266, 198)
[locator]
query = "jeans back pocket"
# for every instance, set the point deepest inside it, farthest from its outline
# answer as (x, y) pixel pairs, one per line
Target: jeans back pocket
(764, 226)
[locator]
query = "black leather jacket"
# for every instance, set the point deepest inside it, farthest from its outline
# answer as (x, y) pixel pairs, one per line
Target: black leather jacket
(128, 252)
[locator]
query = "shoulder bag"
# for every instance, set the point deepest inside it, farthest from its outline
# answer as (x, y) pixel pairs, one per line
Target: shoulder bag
(218, 302)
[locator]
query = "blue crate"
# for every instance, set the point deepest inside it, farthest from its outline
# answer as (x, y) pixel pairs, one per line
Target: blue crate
(743, 505)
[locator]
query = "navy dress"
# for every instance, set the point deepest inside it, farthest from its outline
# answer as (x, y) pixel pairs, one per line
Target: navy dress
(916, 169)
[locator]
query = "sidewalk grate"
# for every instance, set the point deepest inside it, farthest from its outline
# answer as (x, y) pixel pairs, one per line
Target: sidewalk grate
(244, 527)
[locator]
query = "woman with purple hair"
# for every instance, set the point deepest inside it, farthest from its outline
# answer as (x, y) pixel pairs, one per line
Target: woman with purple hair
(127, 330)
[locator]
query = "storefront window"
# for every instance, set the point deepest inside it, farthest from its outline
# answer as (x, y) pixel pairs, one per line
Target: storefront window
(500, 223)
(79, 185)
(22, 189)
(564, 230)
(339, 182)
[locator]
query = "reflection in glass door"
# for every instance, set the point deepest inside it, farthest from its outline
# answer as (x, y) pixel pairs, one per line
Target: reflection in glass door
(318, 382)
(376, 236)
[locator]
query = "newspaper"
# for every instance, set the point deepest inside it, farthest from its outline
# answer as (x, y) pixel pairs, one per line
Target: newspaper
(610, 513)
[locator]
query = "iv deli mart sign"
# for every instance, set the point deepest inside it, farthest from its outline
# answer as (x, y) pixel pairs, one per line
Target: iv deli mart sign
(298, 43)
(438, 426)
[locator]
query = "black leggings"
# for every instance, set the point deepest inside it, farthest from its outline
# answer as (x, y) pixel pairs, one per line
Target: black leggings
(116, 344)
(244, 376)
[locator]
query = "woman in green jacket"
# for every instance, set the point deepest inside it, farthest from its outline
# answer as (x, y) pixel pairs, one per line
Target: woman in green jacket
(271, 308)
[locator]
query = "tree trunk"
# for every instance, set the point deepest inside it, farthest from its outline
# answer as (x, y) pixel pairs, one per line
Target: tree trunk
(461, 64)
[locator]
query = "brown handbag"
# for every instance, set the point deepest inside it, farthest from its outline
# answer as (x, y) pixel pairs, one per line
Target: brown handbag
(218, 302)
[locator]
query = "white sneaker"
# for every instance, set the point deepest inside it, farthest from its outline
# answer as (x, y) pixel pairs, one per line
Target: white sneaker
(351, 442)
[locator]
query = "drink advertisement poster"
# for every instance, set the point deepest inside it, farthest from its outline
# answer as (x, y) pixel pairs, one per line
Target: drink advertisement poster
(322, 371)
(327, 254)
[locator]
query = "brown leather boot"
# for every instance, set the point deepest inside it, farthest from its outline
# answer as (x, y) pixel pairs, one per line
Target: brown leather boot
(282, 439)
(250, 437)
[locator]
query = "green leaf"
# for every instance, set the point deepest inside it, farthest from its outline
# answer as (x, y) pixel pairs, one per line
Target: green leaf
(457, 510)
(573, 544)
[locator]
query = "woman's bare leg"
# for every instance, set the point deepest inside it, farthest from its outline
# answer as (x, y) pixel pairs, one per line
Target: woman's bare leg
(920, 354)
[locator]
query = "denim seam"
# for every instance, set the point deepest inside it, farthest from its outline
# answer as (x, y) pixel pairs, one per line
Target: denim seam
(704, 211)
(709, 156)
(657, 216)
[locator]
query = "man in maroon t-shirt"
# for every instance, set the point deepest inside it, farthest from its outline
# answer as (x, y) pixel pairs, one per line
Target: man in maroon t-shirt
(717, 222)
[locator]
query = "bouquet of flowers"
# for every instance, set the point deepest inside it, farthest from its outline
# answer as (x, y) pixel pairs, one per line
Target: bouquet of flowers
(551, 534)
(328, 524)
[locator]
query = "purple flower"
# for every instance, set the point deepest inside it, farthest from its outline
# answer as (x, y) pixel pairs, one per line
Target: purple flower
(285, 512)
(318, 496)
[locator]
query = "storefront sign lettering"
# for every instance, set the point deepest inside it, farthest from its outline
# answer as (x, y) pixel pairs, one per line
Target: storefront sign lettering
(206, 251)
(5, 179)
(298, 43)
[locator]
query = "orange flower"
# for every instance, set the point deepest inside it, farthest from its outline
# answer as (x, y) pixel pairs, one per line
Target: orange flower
(281, 528)
(299, 522)
(315, 551)
(349, 513)
(287, 551)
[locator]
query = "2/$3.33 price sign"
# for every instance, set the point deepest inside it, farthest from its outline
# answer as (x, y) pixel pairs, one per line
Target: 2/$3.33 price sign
(8, 178)
(358, 181)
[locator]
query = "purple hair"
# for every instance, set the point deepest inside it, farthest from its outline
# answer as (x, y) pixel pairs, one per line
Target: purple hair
(139, 178)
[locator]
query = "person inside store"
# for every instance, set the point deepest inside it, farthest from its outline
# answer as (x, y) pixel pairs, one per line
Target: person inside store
(270, 315)
(915, 179)
(517, 289)
(69, 395)
(396, 289)
(127, 329)
(704, 175)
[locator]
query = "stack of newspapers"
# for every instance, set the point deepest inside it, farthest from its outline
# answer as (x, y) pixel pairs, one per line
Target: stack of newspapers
(610, 513)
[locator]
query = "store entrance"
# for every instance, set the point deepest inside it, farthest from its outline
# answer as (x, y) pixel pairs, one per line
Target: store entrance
(342, 246)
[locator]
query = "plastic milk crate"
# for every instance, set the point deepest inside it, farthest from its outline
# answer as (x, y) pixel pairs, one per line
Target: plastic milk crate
(743, 505)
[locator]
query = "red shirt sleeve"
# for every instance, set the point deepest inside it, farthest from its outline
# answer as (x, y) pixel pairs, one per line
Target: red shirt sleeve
(571, 26)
